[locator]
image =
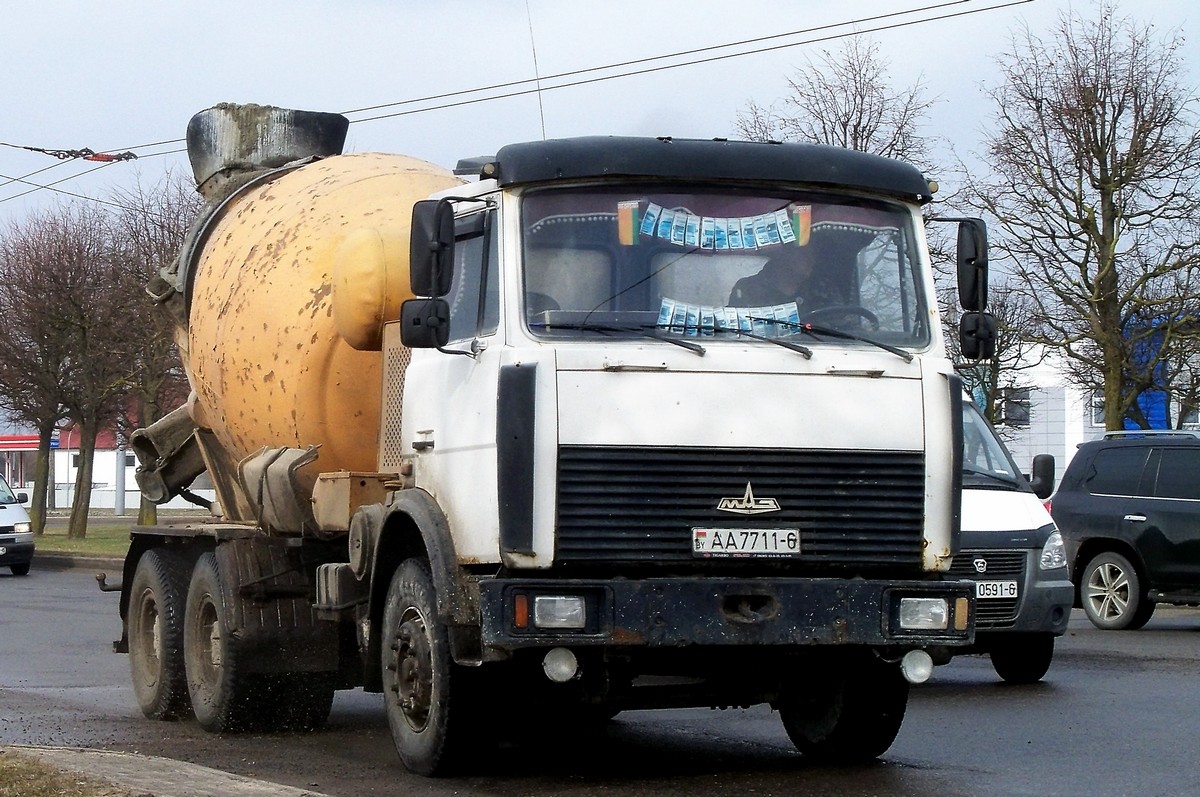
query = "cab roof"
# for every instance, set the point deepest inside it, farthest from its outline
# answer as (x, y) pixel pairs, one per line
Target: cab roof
(705, 160)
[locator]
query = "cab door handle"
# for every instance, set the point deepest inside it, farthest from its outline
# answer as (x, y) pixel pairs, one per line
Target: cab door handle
(1136, 518)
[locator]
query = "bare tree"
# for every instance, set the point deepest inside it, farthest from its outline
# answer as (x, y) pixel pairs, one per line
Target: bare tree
(1096, 157)
(58, 287)
(149, 233)
(1017, 324)
(846, 99)
(34, 356)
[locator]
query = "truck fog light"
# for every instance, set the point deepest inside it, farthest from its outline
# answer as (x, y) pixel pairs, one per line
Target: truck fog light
(560, 665)
(559, 611)
(924, 614)
(916, 666)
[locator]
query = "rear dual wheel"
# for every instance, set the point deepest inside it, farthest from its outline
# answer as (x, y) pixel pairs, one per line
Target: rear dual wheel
(226, 697)
(155, 633)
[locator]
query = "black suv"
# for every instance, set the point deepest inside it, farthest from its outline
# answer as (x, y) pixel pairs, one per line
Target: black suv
(1129, 512)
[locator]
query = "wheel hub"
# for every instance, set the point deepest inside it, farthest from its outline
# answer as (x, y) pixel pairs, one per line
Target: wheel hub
(414, 670)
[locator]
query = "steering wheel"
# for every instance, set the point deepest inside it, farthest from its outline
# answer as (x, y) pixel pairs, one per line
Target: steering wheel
(843, 310)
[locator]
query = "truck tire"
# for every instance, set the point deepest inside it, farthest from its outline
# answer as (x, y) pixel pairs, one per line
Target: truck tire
(156, 605)
(221, 692)
(1023, 658)
(20, 570)
(849, 714)
(425, 711)
(1112, 594)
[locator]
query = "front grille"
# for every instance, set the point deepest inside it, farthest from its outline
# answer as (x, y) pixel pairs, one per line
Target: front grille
(1001, 565)
(857, 509)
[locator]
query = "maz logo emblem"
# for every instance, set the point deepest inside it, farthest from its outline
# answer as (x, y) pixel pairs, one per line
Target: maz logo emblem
(980, 565)
(748, 504)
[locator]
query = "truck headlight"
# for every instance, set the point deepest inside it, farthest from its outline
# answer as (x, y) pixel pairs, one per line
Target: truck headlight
(559, 611)
(23, 531)
(1054, 555)
(924, 614)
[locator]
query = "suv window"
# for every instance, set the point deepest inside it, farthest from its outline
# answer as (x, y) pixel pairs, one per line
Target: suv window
(1116, 471)
(1177, 469)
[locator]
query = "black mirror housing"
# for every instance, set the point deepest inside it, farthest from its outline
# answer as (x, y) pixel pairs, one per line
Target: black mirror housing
(1042, 477)
(431, 247)
(425, 323)
(972, 265)
(977, 336)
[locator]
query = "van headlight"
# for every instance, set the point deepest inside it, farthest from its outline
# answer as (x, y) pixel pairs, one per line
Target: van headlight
(1054, 555)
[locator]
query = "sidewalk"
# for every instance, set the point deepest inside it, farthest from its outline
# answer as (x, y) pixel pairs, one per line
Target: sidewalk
(161, 777)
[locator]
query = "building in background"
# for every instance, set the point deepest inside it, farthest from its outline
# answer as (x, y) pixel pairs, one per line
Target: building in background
(113, 484)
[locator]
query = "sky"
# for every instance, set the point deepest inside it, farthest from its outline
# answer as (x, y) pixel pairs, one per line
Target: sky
(125, 75)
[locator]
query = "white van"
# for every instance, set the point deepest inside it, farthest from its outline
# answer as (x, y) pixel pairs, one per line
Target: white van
(16, 533)
(1012, 550)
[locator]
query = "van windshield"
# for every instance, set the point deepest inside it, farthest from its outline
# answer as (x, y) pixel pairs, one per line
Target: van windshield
(605, 260)
(6, 493)
(986, 462)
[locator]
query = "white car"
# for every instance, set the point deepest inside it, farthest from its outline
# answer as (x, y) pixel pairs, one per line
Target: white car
(16, 533)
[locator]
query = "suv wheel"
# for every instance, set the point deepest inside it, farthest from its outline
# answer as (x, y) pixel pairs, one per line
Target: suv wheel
(1112, 594)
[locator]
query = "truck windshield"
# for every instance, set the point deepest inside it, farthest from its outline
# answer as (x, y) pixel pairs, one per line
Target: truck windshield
(986, 462)
(605, 261)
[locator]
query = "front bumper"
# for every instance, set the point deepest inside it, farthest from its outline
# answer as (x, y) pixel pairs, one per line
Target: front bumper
(676, 612)
(15, 553)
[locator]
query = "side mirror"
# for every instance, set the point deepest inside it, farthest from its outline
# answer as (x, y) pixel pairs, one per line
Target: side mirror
(425, 323)
(22, 498)
(1042, 479)
(977, 336)
(431, 247)
(972, 265)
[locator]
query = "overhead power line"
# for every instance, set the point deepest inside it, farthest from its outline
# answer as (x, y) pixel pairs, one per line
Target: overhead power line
(539, 83)
(81, 154)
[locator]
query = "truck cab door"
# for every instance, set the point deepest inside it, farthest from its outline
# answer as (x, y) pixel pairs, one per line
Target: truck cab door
(450, 393)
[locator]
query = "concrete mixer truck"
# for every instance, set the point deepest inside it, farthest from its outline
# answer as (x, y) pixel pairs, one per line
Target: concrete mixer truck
(554, 441)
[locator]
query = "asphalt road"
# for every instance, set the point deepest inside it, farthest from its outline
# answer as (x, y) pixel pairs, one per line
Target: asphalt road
(1118, 714)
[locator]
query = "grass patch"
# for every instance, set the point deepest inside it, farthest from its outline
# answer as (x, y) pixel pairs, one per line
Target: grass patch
(25, 776)
(105, 537)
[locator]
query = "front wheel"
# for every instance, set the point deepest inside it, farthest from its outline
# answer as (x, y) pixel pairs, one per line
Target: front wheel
(1112, 593)
(850, 712)
(1023, 659)
(20, 570)
(428, 723)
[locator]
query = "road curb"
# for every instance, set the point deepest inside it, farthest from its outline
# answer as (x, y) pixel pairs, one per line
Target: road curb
(64, 561)
(162, 777)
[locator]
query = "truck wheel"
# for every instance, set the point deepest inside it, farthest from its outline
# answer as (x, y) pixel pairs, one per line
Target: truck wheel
(1023, 658)
(850, 714)
(156, 604)
(221, 692)
(427, 721)
(20, 570)
(1112, 594)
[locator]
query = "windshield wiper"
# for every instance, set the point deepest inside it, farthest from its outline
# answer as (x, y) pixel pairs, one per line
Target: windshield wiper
(787, 344)
(645, 330)
(816, 331)
(1008, 481)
